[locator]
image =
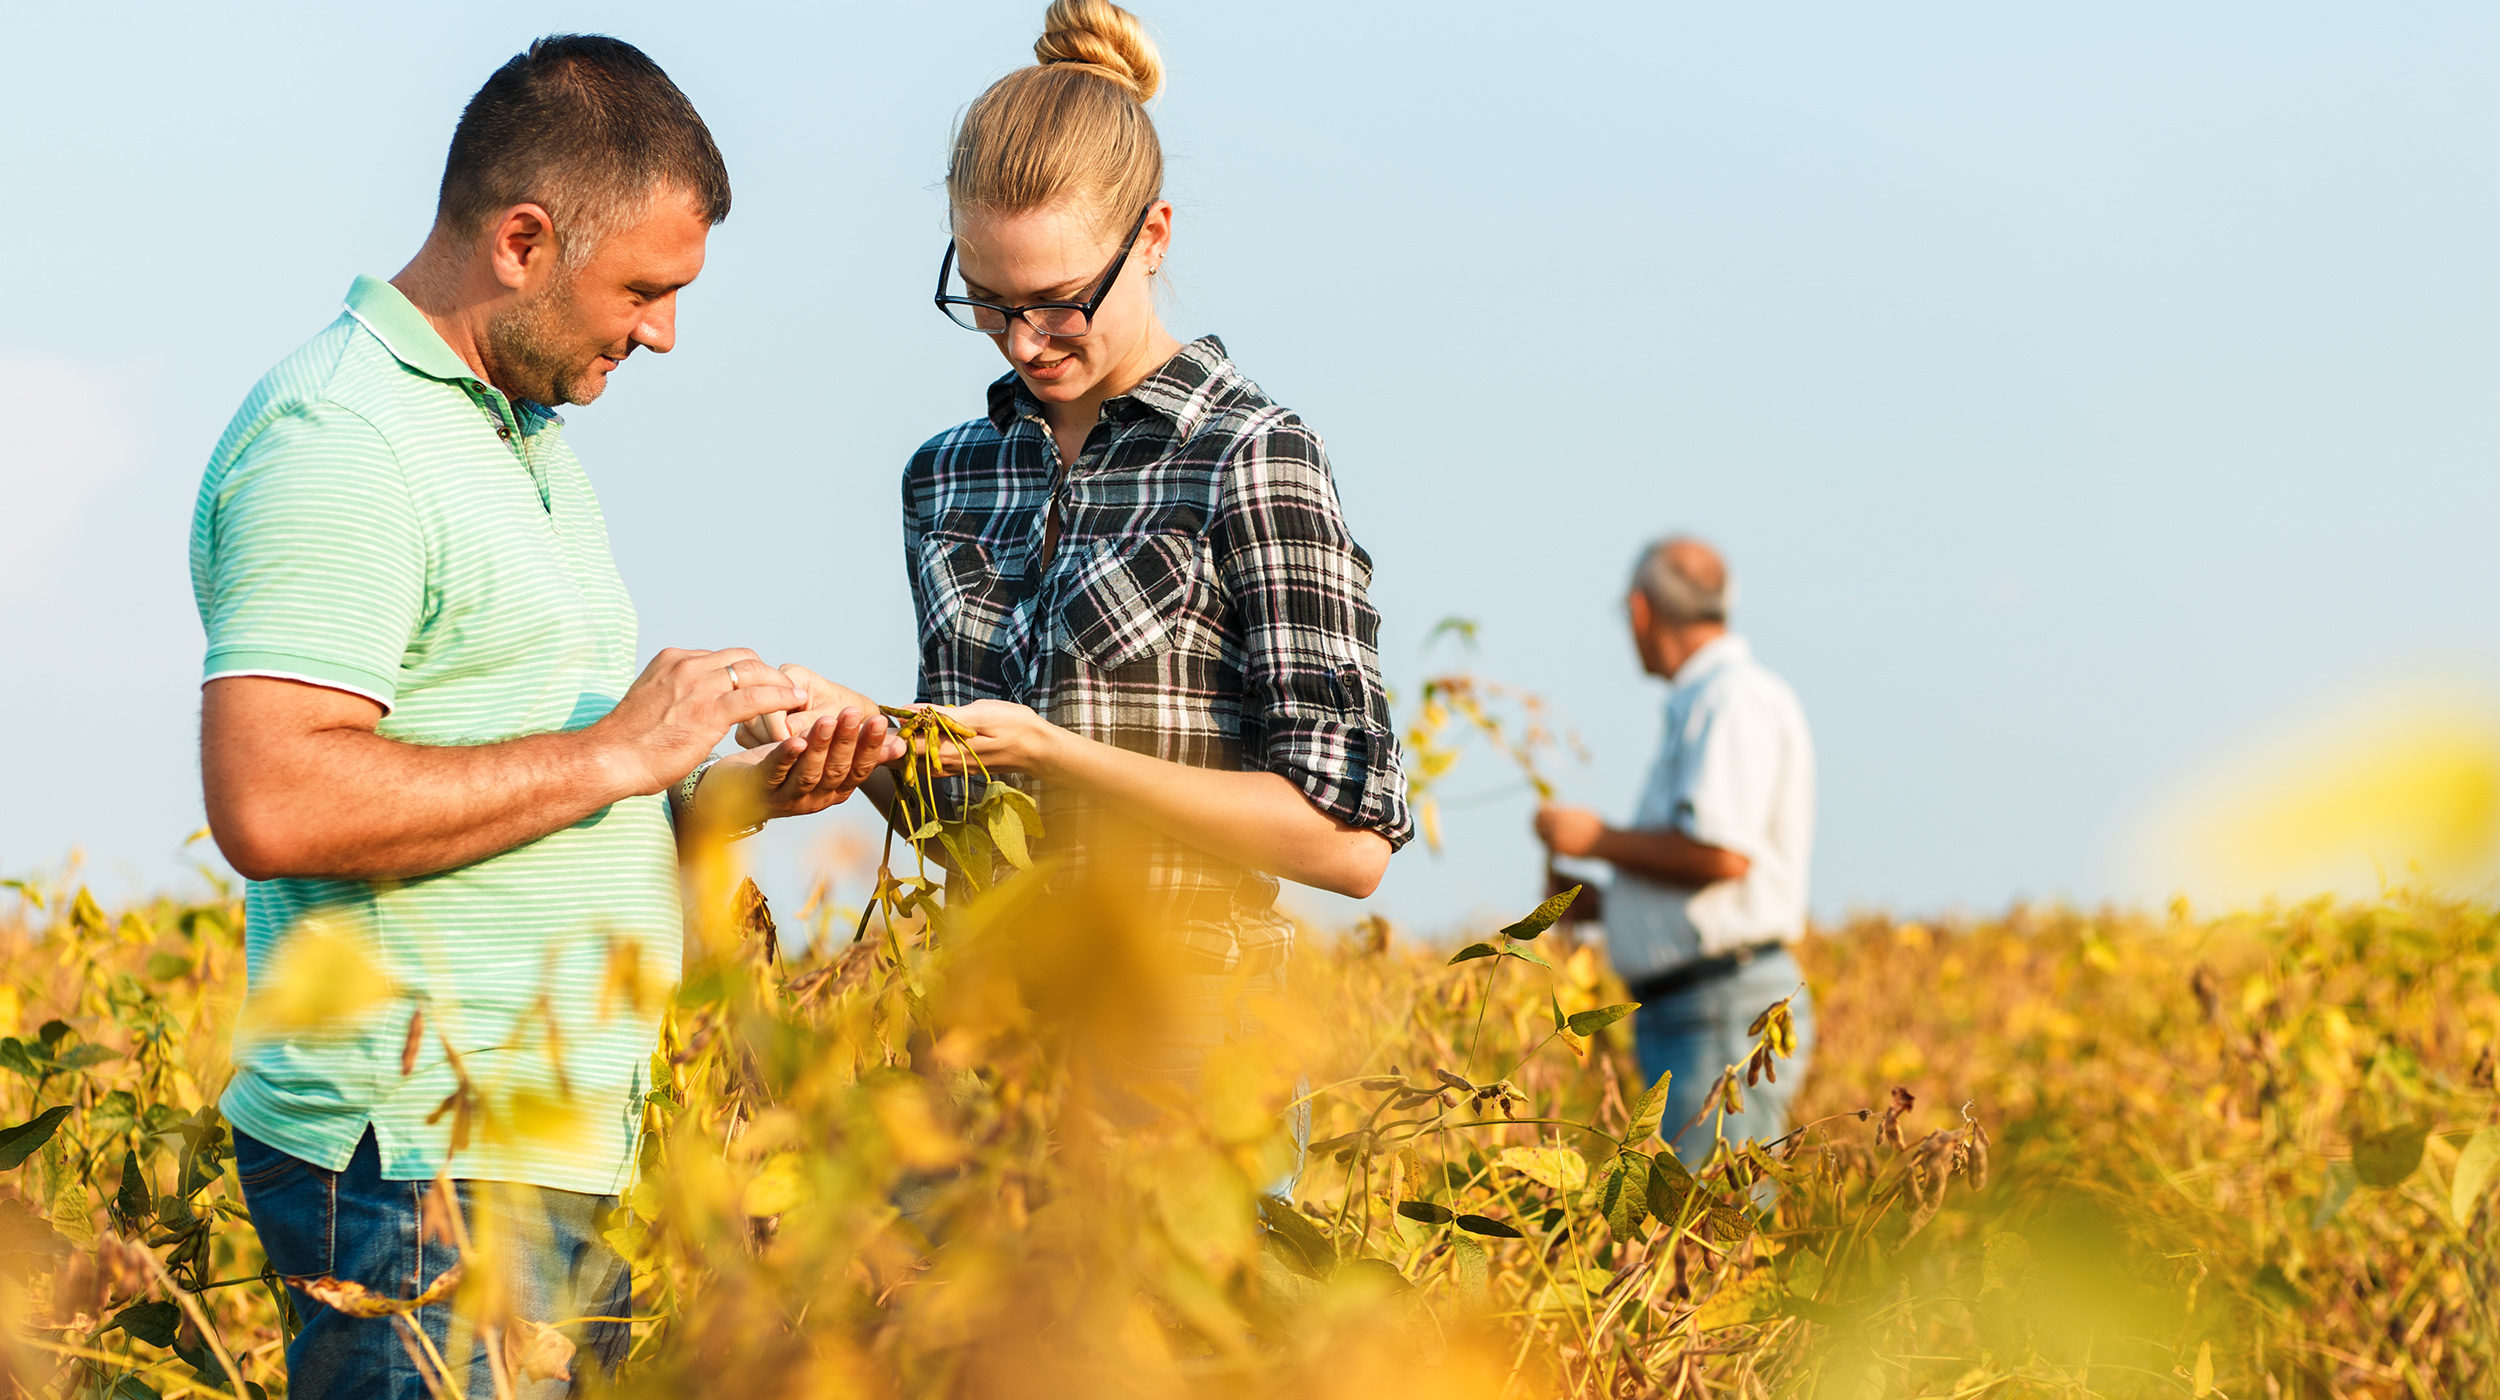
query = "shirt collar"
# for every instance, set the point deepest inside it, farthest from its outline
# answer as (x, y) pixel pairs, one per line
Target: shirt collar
(1718, 652)
(1183, 390)
(403, 330)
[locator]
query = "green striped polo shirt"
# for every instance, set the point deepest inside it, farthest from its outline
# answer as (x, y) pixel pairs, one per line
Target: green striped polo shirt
(379, 520)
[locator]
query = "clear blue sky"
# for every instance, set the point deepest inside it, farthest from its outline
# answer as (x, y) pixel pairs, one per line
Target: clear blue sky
(2074, 388)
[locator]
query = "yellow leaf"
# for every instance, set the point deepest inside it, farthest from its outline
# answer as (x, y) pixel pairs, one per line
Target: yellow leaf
(536, 1352)
(1558, 1167)
(2204, 1369)
(1754, 1298)
(780, 1187)
(913, 1131)
(2475, 1166)
(318, 978)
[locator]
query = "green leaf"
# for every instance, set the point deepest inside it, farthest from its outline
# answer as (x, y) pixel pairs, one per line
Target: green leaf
(52, 1034)
(83, 1056)
(2331, 1197)
(1543, 917)
(2385, 1158)
(133, 1388)
(20, 1142)
(2475, 1165)
(14, 1055)
(116, 1112)
(1472, 952)
(155, 1323)
(1560, 1020)
(1623, 1195)
(1427, 1212)
(1301, 1237)
(926, 830)
(1652, 1107)
(1525, 956)
(1669, 1185)
(2276, 1287)
(165, 967)
(1591, 1022)
(134, 1203)
(1488, 1226)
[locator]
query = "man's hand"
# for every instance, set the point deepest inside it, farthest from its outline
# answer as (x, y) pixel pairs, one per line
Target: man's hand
(682, 704)
(825, 700)
(805, 773)
(1569, 831)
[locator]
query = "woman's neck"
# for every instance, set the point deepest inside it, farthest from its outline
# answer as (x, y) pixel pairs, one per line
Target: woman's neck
(1072, 421)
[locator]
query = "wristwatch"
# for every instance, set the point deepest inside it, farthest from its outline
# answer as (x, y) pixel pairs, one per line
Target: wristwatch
(685, 790)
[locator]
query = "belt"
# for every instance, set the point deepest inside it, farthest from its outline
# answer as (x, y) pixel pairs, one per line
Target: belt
(1687, 975)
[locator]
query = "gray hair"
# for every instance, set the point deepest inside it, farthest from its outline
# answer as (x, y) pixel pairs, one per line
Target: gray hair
(1685, 581)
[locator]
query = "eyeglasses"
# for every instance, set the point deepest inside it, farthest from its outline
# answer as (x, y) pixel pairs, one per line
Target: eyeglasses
(1060, 318)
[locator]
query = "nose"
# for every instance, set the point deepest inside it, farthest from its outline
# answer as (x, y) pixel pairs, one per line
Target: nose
(658, 331)
(1024, 342)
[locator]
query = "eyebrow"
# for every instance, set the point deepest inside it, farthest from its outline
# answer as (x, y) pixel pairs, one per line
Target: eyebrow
(1064, 291)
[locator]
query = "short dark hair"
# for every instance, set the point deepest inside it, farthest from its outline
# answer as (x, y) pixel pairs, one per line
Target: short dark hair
(590, 128)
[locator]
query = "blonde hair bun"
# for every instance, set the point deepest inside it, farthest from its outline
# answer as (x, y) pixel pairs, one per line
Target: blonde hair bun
(1099, 35)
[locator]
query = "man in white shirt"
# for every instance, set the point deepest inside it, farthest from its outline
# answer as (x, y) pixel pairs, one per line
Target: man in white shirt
(1710, 877)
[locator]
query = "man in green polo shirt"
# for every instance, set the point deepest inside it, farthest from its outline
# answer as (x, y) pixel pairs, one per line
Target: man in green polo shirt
(425, 743)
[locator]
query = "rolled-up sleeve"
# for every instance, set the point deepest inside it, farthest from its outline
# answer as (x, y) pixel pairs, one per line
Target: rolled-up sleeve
(1314, 710)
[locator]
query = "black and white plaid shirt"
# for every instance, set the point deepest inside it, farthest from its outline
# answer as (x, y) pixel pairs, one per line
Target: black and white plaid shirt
(1205, 604)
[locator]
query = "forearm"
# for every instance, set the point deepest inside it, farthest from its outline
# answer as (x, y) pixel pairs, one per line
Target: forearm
(1258, 820)
(348, 804)
(1669, 857)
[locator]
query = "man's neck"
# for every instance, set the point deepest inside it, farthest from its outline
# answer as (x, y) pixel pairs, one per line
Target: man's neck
(1681, 644)
(441, 282)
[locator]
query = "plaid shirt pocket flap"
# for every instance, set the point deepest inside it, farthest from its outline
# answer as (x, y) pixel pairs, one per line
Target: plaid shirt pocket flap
(960, 587)
(1128, 597)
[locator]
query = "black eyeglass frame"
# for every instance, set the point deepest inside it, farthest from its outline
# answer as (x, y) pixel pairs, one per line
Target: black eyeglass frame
(1085, 308)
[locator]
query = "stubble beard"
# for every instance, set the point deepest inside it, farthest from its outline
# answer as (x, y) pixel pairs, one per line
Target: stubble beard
(530, 350)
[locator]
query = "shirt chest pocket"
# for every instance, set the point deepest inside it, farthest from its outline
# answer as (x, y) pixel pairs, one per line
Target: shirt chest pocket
(1128, 597)
(961, 594)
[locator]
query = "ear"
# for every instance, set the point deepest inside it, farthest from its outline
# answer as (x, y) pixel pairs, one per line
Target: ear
(1643, 622)
(521, 246)
(1155, 238)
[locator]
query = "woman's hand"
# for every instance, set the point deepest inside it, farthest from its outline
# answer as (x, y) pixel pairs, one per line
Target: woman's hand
(813, 769)
(1008, 737)
(825, 701)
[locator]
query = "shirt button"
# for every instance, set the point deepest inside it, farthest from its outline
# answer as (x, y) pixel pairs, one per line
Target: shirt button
(504, 433)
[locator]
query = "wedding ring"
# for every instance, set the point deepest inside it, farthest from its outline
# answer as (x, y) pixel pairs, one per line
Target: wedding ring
(733, 675)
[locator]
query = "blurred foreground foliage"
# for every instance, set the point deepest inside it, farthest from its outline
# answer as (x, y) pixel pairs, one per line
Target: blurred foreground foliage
(2245, 1156)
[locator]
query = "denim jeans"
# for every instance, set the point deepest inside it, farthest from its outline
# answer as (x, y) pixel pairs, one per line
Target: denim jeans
(358, 1228)
(1698, 1032)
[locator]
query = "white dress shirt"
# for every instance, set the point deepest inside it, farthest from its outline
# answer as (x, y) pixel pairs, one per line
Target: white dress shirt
(1735, 770)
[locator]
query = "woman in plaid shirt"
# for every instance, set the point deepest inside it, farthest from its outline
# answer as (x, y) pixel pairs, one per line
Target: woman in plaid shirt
(1130, 573)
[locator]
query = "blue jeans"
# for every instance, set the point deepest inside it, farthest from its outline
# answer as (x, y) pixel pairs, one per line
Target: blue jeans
(1698, 1032)
(354, 1226)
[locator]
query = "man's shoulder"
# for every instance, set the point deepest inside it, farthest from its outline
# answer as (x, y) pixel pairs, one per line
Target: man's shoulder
(342, 380)
(1742, 682)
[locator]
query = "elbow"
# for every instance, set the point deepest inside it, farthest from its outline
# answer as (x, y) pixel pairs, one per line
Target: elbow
(259, 845)
(1365, 861)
